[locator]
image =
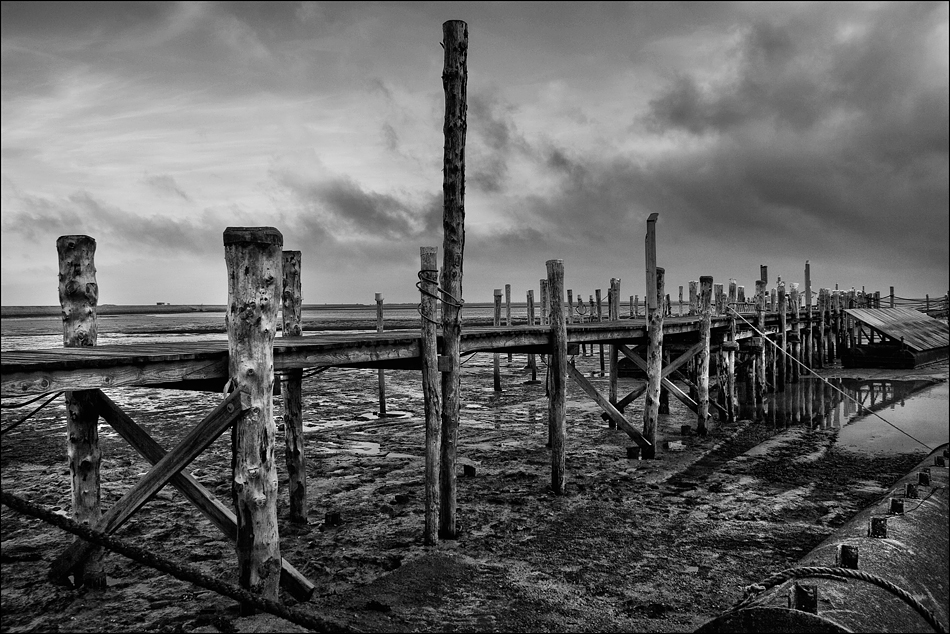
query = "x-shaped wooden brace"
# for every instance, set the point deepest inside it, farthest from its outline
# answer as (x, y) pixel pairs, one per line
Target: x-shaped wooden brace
(168, 468)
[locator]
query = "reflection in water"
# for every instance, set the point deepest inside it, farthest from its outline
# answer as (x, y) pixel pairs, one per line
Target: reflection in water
(817, 404)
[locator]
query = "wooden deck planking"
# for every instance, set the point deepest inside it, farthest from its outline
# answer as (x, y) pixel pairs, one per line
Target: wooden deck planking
(27, 372)
(919, 331)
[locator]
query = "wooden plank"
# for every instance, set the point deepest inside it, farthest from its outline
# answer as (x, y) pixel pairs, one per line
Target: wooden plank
(217, 513)
(611, 411)
(190, 447)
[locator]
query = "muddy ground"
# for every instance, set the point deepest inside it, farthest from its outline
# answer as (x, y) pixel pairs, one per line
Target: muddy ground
(660, 546)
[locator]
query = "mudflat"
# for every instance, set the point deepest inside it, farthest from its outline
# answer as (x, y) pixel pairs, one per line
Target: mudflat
(661, 545)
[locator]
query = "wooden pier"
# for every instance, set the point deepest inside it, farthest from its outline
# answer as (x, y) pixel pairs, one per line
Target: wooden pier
(750, 339)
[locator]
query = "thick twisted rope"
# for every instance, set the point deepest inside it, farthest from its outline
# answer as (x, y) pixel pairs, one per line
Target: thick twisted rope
(185, 572)
(752, 592)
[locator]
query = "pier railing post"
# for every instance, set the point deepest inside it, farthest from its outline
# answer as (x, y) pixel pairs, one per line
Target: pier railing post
(455, 85)
(292, 394)
(557, 395)
(78, 298)
(430, 388)
(381, 372)
(253, 256)
(702, 371)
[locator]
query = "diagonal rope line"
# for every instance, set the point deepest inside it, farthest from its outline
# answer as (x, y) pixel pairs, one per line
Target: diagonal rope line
(834, 387)
(16, 424)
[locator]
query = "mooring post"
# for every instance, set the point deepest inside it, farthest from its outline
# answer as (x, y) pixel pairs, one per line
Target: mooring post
(717, 294)
(781, 340)
(732, 399)
(428, 308)
(822, 307)
(558, 372)
(292, 393)
(654, 300)
(570, 306)
(702, 371)
(892, 297)
(614, 315)
(253, 256)
(679, 308)
(634, 302)
(508, 312)
(809, 334)
(760, 300)
(532, 360)
(455, 84)
(381, 372)
(496, 374)
(693, 294)
(544, 302)
(794, 337)
(78, 298)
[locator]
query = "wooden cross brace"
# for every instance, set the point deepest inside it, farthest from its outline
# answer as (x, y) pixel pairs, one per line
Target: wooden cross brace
(168, 468)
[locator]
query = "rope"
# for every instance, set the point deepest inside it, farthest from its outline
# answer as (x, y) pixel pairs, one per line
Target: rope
(834, 387)
(185, 572)
(443, 294)
(752, 592)
(24, 403)
(16, 424)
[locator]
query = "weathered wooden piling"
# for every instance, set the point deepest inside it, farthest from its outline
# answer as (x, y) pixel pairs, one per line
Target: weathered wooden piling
(78, 298)
(428, 308)
(702, 370)
(455, 85)
(532, 360)
(570, 306)
(253, 256)
(295, 457)
(760, 345)
(496, 372)
(794, 337)
(654, 299)
(730, 347)
(807, 355)
(781, 359)
(693, 295)
(508, 310)
(544, 298)
(820, 336)
(557, 362)
(614, 315)
(381, 372)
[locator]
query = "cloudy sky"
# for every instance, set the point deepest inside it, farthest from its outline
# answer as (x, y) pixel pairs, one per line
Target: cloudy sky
(760, 133)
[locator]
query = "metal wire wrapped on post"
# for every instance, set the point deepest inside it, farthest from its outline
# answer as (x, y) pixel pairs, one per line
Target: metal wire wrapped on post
(443, 294)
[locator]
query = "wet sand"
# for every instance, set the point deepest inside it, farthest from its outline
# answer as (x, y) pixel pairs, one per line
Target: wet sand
(660, 545)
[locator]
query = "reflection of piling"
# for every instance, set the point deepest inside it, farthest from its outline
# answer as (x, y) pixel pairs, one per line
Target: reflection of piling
(292, 393)
(78, 298)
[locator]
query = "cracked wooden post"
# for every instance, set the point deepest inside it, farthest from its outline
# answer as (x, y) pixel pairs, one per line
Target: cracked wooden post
(614, 315)
(570, 306)
(781, 360)
(693, 292)
(508, 312)
(557, 397)
(760, 345)
(496, 371)
(600, 318)
(428, 309)
(78, 297)
(532, 360)
(292, 395)
(253, 256)
(820, 336)
(543, 299)
(809, 335)
(794, 338)
(380, 371)
(455, 85)
(653, 299)
(702, 370)
(732, 400)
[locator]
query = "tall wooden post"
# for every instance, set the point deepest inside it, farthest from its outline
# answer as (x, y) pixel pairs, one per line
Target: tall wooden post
(600, 318)
(634, 303)
(732, 402)
(718, 298)
(381, 372)
(253, 256)
(822, 307)
(570, 306)
(508, 312)
(430, 388)
(557, 395)
(654, 298)
(532, 360)
(702, 377)
(760, 346)
(679, 310)
(496, 374)
(693, 294)
(544, 302)
(614, 315)
(78, 298)
(455, 84)
(809, 334)
(794, 337)
(295, 457)
(781, 359)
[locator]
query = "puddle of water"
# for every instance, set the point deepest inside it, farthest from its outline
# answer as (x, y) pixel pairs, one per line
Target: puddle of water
(919, 408)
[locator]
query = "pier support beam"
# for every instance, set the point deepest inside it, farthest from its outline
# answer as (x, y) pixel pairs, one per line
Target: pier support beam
(295, 457)
(382, 373)
(654, 307)
(78, 297)
(557, 362)
(781, 358)
(455, 85)
(428, 285)
(253, 256)
(759, 345)
(496, 372)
